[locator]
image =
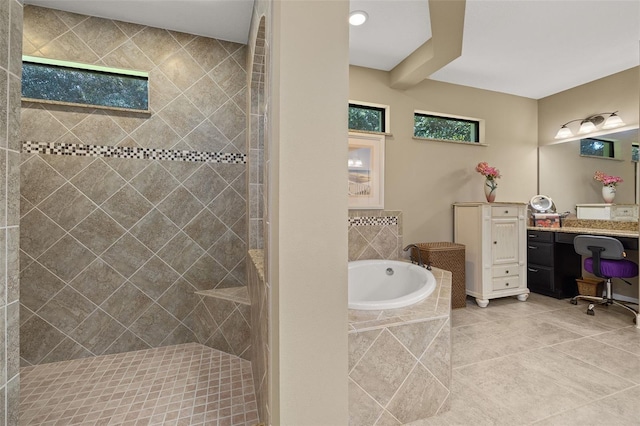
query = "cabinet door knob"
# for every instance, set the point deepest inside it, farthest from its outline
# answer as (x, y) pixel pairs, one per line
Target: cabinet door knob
(506, 212)
(507, 284)
(532, 270)
(495, 242)
(506, 272)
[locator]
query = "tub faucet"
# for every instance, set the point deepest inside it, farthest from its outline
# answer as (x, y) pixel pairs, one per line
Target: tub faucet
(413, 246)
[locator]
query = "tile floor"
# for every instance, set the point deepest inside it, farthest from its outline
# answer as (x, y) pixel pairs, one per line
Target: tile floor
(543, 362)
(187, 384)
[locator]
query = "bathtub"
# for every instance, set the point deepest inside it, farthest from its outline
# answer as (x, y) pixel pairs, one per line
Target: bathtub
(387, 284)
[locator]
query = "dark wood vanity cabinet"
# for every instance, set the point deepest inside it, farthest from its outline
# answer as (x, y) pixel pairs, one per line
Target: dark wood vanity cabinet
(552, 264)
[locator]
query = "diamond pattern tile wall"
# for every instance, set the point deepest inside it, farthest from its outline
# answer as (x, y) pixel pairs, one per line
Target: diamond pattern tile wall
(399, 374)
(114, 249)
(374, 237)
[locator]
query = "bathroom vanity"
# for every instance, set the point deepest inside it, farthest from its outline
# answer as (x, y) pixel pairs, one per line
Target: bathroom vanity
(494, 236)
(553, 265)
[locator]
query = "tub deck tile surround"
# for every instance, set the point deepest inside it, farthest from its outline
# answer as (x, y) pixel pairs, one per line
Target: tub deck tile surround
(437, 305)
(400, 360)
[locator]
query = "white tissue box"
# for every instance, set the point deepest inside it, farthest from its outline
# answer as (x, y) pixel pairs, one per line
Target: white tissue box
(621, 212)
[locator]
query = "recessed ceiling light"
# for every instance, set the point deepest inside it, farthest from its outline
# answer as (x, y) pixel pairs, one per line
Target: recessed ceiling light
(358, 17)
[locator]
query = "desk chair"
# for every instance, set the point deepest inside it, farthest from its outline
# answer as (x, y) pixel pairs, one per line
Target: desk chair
(607, 260)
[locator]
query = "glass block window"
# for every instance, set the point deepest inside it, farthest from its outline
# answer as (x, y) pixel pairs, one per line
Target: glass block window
(597, 148)
(446, 128)
(52, 81)
(367, 118)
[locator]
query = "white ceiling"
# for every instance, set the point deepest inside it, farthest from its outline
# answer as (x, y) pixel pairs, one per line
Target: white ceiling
(531, 48)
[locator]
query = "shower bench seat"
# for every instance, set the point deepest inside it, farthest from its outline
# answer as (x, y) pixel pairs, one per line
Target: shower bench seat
(233, 294)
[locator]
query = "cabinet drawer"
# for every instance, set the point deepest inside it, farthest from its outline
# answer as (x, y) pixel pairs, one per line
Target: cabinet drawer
(539, 277)
(540, 236)
(504, 270)
(505, 283)
(540, 253)
(504, 211)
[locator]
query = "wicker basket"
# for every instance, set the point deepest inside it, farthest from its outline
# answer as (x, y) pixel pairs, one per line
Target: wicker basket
(450, 257)
(590, 286)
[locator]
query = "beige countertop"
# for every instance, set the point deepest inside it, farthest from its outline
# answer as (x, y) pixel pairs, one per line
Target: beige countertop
(590, 231)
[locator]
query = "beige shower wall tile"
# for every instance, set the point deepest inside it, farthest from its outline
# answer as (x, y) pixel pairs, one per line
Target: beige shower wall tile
(39, 125)
(206, 95)
(155, 133)
(156, 43)
(69, 47)
(182, 116)
(69, 18)
(207, 52)
(101, 35)
(98, 129)
(229, 76)
(181, 69)
(229, 119)
(186, 59)
(40, 25)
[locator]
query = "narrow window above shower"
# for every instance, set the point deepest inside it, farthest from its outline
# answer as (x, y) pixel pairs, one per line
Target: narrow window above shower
(71, 83)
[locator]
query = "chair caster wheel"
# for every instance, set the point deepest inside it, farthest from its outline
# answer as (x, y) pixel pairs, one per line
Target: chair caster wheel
(573, 301)
(590, 310)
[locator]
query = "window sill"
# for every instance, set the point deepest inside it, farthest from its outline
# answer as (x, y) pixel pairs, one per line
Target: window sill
(369, 132)
(446, 141)
(597, 157)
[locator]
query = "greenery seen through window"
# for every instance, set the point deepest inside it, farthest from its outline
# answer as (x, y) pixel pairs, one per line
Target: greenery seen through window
(445, 128)
(366, 118)
(596, 148)
(89, 87)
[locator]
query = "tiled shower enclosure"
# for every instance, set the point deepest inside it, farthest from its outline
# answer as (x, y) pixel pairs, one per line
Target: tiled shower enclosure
(115, 242)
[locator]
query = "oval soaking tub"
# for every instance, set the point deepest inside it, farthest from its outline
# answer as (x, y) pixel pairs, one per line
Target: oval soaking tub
(387, 284)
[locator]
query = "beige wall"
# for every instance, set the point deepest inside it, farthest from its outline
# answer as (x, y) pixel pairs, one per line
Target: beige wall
(424, 178)
(308, 211)
(617, 92)
(568, 178)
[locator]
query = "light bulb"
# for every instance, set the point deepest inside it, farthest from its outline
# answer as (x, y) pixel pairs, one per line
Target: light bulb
(613, 121)
(564, 132)
(358, 17)
(586, 127)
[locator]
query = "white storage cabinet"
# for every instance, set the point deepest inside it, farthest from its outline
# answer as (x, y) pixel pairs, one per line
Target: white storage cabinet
(494, 236)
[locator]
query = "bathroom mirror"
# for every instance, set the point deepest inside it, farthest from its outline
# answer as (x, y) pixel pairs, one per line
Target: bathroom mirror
(567, 177)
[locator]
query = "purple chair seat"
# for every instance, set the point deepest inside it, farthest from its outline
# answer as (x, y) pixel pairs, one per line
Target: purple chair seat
(613, 268)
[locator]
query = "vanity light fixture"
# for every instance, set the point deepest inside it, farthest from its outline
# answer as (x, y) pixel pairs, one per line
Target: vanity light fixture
(358, 17)
(589, 124)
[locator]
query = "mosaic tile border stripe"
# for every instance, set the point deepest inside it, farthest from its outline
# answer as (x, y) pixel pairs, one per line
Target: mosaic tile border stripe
(81, 150)
(373, 220)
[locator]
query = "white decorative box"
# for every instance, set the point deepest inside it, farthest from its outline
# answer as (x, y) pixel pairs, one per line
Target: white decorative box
(621, 212)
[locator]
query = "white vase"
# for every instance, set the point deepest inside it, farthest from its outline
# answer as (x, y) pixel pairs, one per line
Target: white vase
(608, 193)
(490, 189)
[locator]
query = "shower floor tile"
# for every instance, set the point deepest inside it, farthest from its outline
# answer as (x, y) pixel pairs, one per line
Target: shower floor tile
(187, 384)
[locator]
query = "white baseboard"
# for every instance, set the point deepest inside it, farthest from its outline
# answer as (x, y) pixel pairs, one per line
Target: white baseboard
(625, 298)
